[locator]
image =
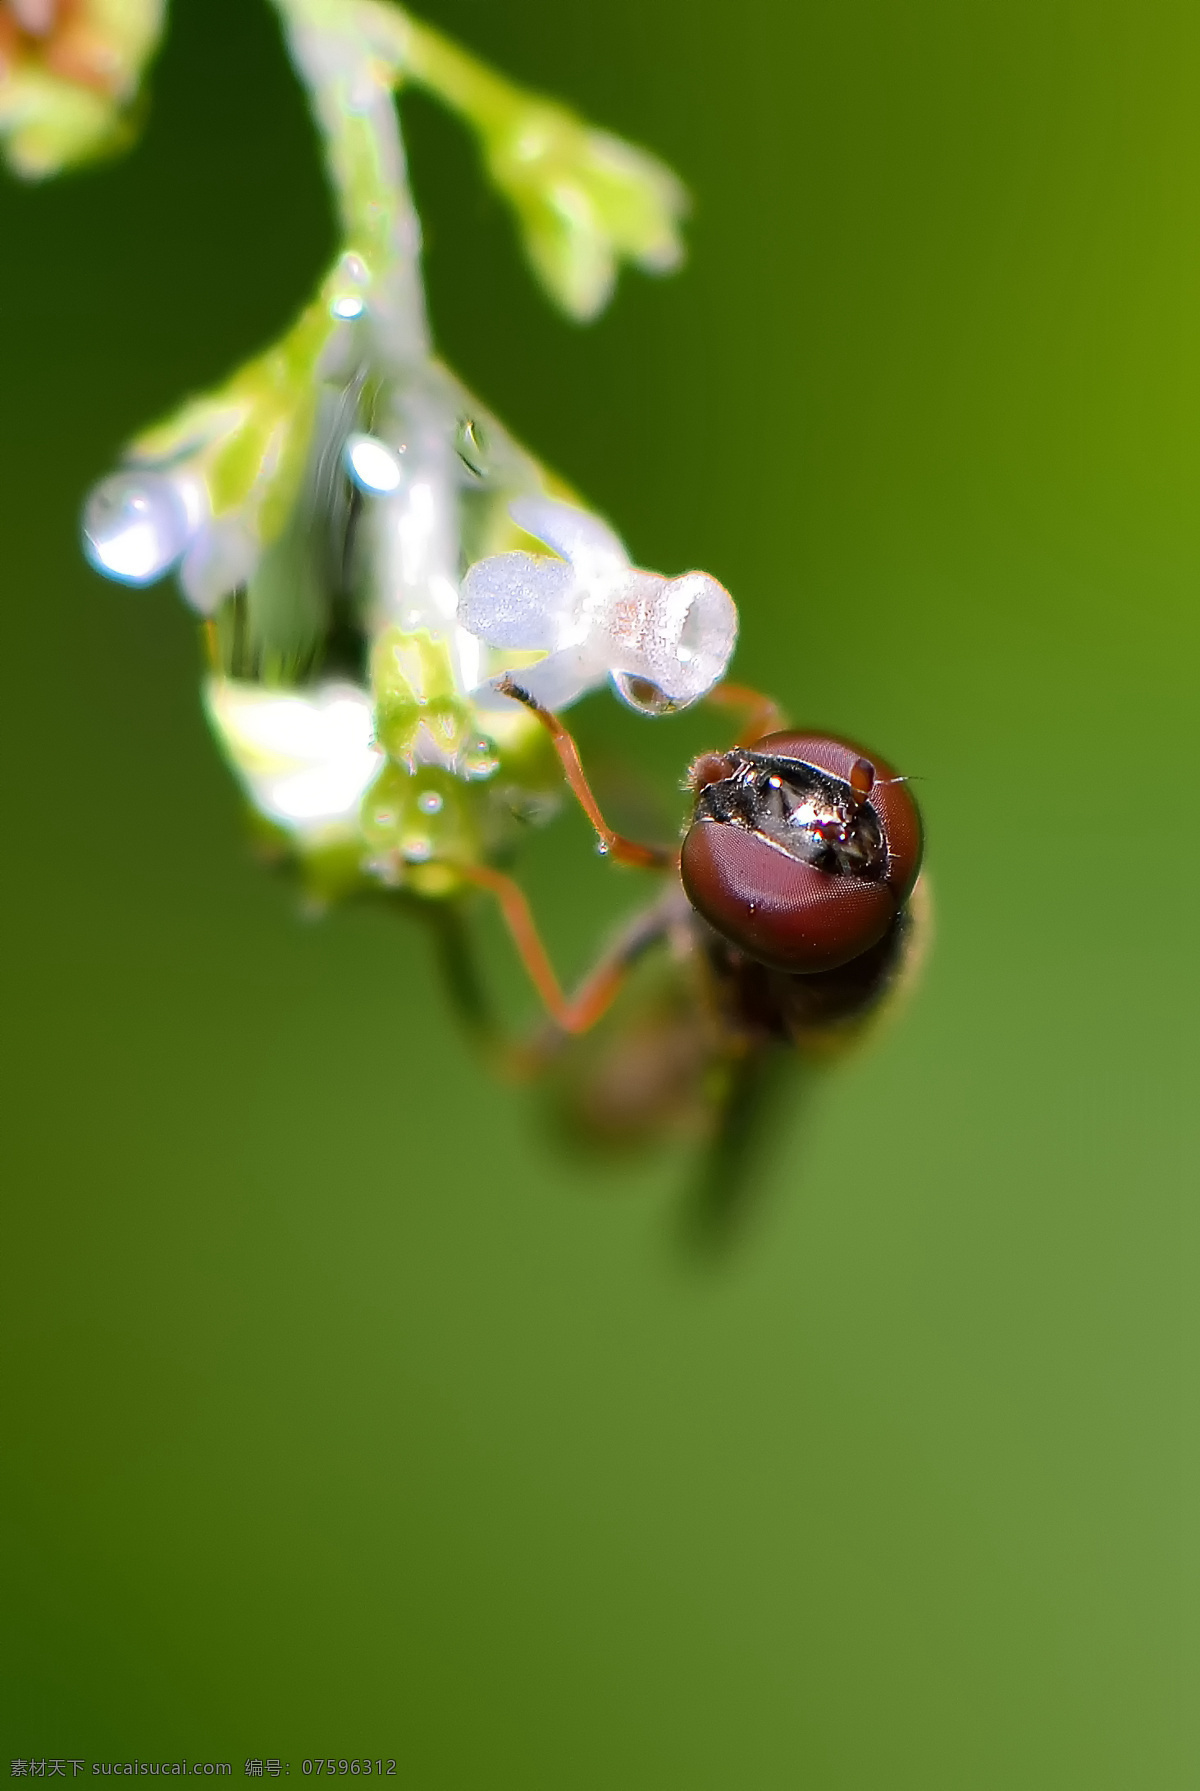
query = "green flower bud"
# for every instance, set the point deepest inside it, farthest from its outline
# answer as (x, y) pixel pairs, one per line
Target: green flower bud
(585, 201)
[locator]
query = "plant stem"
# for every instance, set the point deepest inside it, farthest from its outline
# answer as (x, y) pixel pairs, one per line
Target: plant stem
(415, 531)
(487, 101)
(350, 91)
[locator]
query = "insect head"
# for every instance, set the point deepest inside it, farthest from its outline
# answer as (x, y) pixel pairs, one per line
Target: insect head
(801, 851)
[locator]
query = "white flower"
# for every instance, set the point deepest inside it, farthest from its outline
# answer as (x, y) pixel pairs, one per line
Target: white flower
(664, 642)
(305, 759)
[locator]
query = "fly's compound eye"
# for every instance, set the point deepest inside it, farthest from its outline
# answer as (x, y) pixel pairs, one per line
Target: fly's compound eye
(804, 852)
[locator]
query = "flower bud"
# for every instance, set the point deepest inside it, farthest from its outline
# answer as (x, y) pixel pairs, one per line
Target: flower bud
(585, 201)
(69, 70)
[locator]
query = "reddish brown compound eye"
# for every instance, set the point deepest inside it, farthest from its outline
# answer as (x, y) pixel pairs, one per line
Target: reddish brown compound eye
(804, 853)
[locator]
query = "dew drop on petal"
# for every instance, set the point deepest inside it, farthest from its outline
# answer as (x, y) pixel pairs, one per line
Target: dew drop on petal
(135, 527)
(417, 849)
(472, 447)
(347, 306)
(430, 802)
(374, 467)
(481, 760)
(643, 695)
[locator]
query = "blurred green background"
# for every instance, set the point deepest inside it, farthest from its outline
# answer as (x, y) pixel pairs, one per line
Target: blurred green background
(342, 1412)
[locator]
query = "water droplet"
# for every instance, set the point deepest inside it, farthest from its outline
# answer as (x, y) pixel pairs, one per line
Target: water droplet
(347, 306)
(430, 802)
(602, 848)
(643, 695)
(384, 867)
(480, 761)
(472, 447)
(372, 465)
(135, 527)
(418, 849)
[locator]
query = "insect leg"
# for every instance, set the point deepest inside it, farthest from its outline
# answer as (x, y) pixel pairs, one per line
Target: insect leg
(762, 713)
(518, 918)
(464, 985)
(603, 983)
(578, 1012)
(625, 851)
(764, 1087)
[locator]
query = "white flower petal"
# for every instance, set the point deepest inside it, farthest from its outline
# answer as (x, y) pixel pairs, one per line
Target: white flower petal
(693, 635)
(516, 600)
(677, 634)
(556, 681)
(590, 545)
(221, 558)
(306, 761)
